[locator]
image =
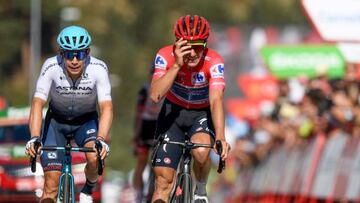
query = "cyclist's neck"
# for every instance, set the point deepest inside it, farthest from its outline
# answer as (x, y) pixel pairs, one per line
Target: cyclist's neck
(75, 77)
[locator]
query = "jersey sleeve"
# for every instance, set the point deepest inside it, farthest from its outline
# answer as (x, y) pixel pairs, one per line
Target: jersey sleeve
(217, 76)
(103, 86)
(161, 65)
(44, 81)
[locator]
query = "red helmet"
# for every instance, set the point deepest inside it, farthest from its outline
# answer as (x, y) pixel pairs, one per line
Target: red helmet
(192, 28)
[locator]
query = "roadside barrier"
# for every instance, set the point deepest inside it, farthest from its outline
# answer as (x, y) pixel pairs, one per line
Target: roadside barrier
(321, 169)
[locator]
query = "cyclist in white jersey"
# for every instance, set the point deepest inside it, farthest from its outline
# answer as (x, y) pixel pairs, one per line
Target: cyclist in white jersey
(75, 82)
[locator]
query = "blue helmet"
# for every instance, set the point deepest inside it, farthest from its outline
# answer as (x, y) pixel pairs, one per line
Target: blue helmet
(74, 38)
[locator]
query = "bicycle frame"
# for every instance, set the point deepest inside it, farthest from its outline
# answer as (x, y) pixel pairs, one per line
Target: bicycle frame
(184, 178)
(66, 188)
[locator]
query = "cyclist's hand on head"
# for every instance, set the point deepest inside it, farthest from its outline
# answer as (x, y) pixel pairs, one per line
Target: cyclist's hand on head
(30, 147)
(181, 50)
(105, 149)
(225, 149)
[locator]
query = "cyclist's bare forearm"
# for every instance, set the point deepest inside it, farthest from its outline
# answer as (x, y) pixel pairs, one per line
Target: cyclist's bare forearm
(106, 117)
(161, 86)
(217, 112)
(35, 119)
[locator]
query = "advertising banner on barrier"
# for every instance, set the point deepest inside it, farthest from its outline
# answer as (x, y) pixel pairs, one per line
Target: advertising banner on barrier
(291, 170)
(308, 60)
(310, 163)
(345, 169)
(326, 172)
(242, 183)
(257, 183)
(275, 172)
(353, 186)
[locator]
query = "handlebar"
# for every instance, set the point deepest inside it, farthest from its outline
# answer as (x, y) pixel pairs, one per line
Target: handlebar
(190, 145)
(98, 147)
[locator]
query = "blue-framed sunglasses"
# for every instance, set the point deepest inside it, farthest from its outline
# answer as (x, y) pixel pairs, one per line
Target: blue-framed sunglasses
(79, 54)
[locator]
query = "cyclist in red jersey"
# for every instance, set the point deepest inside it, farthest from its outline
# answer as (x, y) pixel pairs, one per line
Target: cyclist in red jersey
(191, 78)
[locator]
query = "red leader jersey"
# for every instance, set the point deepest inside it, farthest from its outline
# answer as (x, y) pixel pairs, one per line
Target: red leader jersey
(191, 87)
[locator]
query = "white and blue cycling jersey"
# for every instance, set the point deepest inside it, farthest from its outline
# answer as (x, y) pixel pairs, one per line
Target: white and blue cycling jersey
(70, 99)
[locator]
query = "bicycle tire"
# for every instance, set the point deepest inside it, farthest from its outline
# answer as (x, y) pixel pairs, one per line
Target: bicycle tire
(182, 192)
(66, 188)
(176, 193)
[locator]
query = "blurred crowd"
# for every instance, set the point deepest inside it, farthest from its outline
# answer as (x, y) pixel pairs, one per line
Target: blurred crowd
(305, 107)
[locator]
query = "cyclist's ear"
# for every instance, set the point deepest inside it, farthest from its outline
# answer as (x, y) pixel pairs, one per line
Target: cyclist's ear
(61, 52)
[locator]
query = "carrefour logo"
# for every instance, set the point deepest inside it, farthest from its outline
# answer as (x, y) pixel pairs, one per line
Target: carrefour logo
(217, 71)
(160, 62)
(198, 78)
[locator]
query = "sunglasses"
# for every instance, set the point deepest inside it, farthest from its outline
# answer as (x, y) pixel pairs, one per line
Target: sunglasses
(198, 48)
(201, 43)
(79, 54)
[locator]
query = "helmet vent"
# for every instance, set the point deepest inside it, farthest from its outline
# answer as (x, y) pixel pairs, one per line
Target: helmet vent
(67, 39)
(74, 39)
(184, 27)
(81, 39)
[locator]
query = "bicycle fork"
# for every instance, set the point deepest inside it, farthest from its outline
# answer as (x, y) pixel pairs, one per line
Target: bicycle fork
(183, 188)
(66, 184)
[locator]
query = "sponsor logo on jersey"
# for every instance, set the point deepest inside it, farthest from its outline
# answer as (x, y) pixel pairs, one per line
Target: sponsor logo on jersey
(160, 62)
(90, 131)
(52, 155)
(99, 64)
(167, 139)
(198, 78)
(167, 160)
(201, 121)
(85, 75)
(48, 67)
(217, 71)
(73, 88)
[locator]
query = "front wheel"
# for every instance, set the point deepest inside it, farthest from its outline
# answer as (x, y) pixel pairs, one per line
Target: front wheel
(186, 187)
(183, 191)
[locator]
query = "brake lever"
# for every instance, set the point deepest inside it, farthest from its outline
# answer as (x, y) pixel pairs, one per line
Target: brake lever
(219, 149)
(37, 144)
(98, 147)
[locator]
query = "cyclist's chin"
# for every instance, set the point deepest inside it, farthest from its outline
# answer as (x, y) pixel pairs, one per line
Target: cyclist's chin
(74, 71)
(193, 63)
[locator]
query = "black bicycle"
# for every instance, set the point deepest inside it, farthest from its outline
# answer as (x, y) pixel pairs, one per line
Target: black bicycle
(66, 192)
(183, 189)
